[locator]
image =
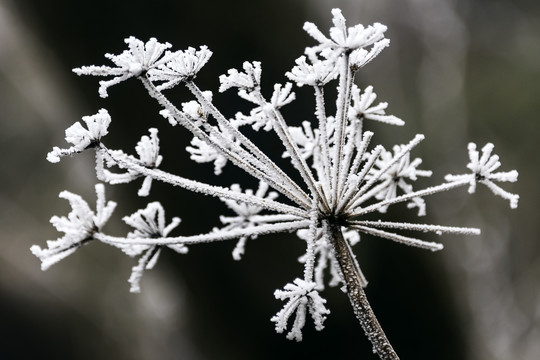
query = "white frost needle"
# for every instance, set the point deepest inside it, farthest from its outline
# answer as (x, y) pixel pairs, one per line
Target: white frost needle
(221, 235)
(400, 238)
(212, 190)
(342, 175)
(438, 229)
(384, 170)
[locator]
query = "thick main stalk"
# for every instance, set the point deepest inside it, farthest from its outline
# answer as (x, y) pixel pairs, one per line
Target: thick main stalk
(357, 296)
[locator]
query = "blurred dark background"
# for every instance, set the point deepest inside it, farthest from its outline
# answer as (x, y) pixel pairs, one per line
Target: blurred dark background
(456, 70)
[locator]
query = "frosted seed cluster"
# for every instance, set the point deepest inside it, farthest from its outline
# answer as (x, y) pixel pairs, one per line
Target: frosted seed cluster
(343, 175)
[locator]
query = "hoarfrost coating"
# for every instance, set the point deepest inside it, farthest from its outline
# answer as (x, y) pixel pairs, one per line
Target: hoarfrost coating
(344, 176)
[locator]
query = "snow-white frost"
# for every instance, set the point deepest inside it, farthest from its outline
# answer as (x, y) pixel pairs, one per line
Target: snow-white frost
(360, 57)
(362, 107)
(396, 176)
(81, 138)
(148, 223)
(201, 152)
(184, 65)
(483, 171)
(147, 149)
(249, 215)
(136, 61)
(325, 259)
(250, 79)
(78, 227)
(343, 175)
(343, 38)
(301, 297)
(317, 74)
(195, 110)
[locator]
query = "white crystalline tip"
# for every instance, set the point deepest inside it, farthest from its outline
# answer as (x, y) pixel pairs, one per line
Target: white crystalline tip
(148, 223)
(363, 107)
(398, 176)
(301, 296)
(483, 171)
(343, 38)
(78, 227)
(81, 138)
(247, 80)
(183, 66)
(138, 59)
(148, 150)
(317, 74)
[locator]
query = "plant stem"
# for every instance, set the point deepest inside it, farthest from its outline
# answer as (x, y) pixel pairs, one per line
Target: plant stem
(357, 296)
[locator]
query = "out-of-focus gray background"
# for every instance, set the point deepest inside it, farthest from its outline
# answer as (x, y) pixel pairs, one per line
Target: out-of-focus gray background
(456, 70)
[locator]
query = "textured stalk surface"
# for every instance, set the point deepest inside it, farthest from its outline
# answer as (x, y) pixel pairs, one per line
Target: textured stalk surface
(357, 296)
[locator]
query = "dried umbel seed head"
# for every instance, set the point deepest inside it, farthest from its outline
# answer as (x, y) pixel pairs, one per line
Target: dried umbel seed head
(344, 177)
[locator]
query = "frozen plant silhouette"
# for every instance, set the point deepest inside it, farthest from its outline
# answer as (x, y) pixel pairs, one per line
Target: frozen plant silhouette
(344, 176)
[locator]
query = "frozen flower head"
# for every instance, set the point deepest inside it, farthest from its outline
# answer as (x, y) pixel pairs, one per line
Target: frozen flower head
(260, 117)
(343, 39)
(318, 74)
(148, 150)
(247, 215)
(361, 57)
(248, 80)
(183, 67)
(362, 107)
(305, 138)
(483, 171)
(78, 227)
(81, 138)
(135, 61)
(301, 296)
(340, 182)
(148, 223)
(201, 152)
(397, 175)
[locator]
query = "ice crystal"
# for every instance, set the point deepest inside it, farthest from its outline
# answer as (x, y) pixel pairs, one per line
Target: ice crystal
(245, 81)
(343, 38)
(362, 107)
(81, 138)
(325, 258)
(148, 223)
(248, 215)
(343, 176)
(483, 171)
(136, 61)
(78, 227)
(148, 150)
(395, 177)
(301, 296)
(317, 74)
(184, 65)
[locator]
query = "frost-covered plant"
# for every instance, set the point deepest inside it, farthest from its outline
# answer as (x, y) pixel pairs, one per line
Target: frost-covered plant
(344, 177)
